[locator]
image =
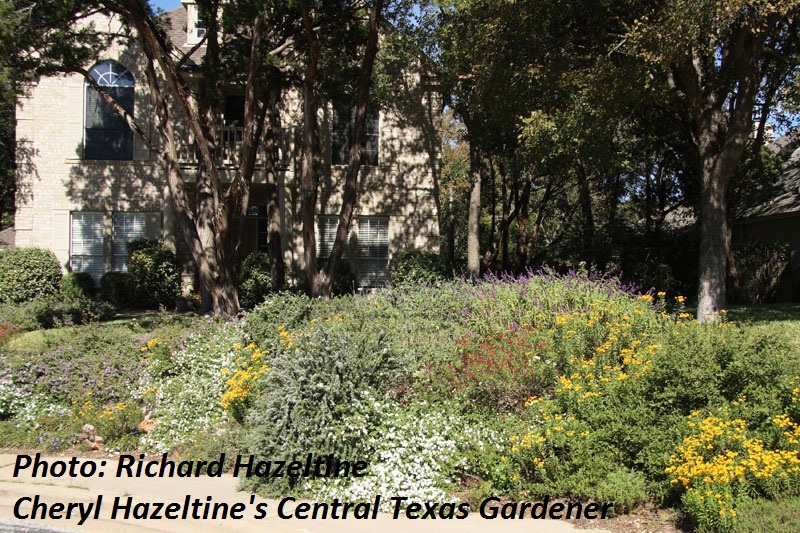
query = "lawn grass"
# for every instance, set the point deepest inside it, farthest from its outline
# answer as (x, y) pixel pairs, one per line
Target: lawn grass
(765, 313)
(42, 340)
(778, 320)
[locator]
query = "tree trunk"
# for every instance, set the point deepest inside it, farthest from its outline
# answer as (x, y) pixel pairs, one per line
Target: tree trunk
(473, 224)
(308, 168)
(350, 193)
(277, 269)
(721, 115)
(523, 251)
(451, 231)
(585, 200)
(713, 229)
(505, 222)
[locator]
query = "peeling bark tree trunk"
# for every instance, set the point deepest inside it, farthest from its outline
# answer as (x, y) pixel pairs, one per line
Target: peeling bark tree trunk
(211, 224)
(309, 166)
(277, 268)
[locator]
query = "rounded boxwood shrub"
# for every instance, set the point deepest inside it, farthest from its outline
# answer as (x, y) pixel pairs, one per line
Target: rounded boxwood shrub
(155, 270)
(255, 282)
(119, 289)
(27, 273)
(418, 267)
(77, 285)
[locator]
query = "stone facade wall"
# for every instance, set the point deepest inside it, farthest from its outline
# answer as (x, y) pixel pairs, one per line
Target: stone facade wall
(55, 180)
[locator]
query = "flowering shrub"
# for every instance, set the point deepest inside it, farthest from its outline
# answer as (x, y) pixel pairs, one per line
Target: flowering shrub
(117, 423)
(92, 365)
(182, 388)
(5, 332)
(12, 397)
(498, 372)
(412, 452)
(721, 461)
(248, 367)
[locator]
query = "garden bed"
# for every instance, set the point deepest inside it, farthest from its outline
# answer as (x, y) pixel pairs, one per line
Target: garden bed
(542, 385)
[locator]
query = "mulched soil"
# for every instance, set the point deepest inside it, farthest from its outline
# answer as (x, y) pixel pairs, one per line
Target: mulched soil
(644, 520)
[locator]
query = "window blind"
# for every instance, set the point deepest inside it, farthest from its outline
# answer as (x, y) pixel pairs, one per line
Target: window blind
(86, 243)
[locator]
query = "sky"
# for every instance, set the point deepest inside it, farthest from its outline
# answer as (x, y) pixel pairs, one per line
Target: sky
(166, 5)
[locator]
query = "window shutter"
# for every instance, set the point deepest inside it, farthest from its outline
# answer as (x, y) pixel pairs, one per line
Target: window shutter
(373, 251)
(86, 244)
(127, 227)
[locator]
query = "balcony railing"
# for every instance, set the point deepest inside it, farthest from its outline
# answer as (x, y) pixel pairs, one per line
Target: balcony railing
(228, 150)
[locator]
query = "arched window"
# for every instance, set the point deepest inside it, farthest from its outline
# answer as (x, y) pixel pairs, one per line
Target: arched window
(106, 134)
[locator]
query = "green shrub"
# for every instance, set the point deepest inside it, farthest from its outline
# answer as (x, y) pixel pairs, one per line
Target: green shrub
(418, 267)
(119, 289)
(776, 516)
(52, 311)
(254, 282)
(77, 285)
(26, 273)
(284, 308)
(322, 377)
(155, 270)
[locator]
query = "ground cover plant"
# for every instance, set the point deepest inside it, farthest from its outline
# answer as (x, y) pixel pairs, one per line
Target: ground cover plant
(545, 384)
(54, 381)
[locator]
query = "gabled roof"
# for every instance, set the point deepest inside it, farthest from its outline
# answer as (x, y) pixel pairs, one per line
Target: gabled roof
(786, 197)
(177, 21)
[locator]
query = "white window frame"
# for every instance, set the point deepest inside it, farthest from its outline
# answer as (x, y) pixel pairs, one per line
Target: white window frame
(118, 76)
(194, 32)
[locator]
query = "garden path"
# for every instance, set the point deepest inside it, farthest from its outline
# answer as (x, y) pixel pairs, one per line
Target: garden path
(223, 489)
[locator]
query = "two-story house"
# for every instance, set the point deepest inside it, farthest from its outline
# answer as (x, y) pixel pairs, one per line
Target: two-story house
(89, 185)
